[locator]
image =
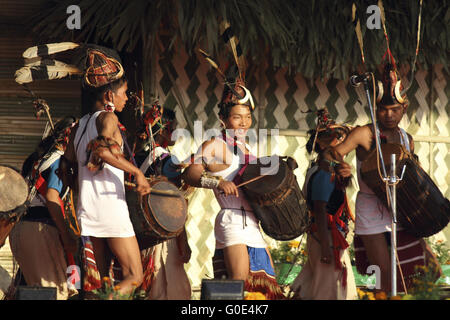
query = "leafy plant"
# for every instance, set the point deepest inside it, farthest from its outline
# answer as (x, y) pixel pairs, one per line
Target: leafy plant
(441, 250)
(288, 252)
(424, 287)
(109, 291)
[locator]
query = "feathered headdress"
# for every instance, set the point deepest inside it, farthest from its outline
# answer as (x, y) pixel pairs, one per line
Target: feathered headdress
(152, 119)
(96, 65)
(235, 91)
(389, 87)
(149, 124)
(326, 130)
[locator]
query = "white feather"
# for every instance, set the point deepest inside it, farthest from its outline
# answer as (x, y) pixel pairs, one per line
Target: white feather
(24, 74)
(52, 48)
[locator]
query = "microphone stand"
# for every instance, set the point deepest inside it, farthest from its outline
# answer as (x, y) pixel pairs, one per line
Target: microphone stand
(391, 191)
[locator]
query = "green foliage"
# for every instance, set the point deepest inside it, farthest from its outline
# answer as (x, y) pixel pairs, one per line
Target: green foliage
(315, 38)
(424, 287)
(441, 250)
(288, 252)
(110, 292)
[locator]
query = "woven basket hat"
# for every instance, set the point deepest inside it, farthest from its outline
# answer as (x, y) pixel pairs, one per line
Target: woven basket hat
(101, 69)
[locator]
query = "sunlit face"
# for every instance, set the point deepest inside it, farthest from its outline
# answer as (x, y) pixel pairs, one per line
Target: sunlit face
(119, 97)
(390, 115)
(239, 120)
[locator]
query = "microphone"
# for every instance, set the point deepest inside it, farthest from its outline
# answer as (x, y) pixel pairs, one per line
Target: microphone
(356, 80)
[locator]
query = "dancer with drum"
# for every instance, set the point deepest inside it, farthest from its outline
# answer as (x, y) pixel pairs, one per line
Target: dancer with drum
(41, 242)
(96, 147)
(164, 274)
(373, 219)
(327, 274)
(241, 252)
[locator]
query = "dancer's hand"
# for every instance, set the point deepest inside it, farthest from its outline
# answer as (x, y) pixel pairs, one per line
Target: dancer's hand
(142, 185)
(344, 169)
(326, 254)
(228, 188)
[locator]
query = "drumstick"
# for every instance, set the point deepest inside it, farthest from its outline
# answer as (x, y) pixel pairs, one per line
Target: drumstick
(251, 180)
(257, 178)
(248, 181)
(170, 193)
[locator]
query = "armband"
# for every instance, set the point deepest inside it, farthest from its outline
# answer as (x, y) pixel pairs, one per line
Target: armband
(209, 181)
(95, 146)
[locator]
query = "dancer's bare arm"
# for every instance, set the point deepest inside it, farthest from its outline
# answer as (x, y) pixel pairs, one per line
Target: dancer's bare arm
(211, 157)
(107, 126)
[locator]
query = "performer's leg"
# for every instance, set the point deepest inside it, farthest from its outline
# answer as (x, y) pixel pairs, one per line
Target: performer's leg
(378, 253)
(126, 250)
(103, 256)
(237, 261)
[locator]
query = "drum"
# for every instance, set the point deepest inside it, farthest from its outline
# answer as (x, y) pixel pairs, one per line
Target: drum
(13, 200)
(157, 217)
(421, 207)
(276, 197)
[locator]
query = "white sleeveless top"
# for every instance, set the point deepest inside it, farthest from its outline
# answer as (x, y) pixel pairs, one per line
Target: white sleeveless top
(235, 223)
(371, 215)
(102, 210)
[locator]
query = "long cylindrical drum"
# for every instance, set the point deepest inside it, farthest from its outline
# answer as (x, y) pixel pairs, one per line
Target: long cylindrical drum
(422, 209)
(276, 197)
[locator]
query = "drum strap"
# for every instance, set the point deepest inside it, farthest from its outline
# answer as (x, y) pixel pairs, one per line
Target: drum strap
(404, 139)
(82, 134)
(247, 157)
(238, 178)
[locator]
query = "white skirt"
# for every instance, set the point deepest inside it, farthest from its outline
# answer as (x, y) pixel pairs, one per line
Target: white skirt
(371, 215)
(233, 227)
(102, 209)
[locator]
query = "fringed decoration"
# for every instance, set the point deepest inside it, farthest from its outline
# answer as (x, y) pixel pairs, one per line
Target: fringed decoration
(148, 264)
(92, 279)
(260, 281)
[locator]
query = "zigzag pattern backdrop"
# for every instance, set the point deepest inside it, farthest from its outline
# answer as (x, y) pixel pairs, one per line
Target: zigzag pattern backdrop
(286, 98)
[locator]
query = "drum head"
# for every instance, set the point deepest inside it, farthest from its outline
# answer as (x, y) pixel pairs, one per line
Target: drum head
(13, 189)
(273, 170)
(170, 212)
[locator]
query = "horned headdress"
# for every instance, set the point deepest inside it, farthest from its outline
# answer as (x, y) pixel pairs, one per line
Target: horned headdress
(235, 91)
